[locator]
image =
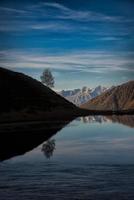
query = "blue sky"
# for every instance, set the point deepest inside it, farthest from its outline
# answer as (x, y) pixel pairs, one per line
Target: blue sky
(87, 42)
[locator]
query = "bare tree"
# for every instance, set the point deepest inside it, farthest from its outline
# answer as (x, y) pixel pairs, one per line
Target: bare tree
(47, 78)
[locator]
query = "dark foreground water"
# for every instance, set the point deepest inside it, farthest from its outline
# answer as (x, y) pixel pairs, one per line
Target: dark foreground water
(90, 158)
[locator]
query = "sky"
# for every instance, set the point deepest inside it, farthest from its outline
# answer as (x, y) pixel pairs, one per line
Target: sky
(84, 43)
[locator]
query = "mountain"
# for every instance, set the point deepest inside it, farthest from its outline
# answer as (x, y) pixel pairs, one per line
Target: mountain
(117, 98)
(80, 96)
(24, 96)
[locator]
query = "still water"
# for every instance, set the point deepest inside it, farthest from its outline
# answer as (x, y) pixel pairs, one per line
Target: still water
(87, 158)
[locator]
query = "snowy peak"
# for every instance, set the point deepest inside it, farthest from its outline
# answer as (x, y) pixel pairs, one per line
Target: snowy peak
(80, 96)
(97, 91)
(85, 89)
(66, 93)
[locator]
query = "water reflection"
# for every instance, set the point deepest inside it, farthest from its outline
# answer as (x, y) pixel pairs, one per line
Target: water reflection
(48, 148)
(92, 160)
(127, 120)
(17, 139)
(92, 119)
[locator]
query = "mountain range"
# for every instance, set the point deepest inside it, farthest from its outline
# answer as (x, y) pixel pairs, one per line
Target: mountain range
(117, 98)
(81, 96)
(26, 99)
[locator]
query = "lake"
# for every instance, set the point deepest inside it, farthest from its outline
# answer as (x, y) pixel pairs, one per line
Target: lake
(88, 158)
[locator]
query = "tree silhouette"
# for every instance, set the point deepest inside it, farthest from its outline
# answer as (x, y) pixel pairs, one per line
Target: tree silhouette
(47, 78)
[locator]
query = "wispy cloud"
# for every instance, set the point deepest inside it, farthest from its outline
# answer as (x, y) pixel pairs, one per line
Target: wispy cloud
(110, 38)
(67, 13)
(93, 62)
(57, 17)
(12, 10)
(53, 26)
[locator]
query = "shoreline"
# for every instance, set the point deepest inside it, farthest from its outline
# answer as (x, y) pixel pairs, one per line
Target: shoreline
(57, 115)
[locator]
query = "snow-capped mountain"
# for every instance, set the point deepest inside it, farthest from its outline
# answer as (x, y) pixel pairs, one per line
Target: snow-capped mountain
(80, 96)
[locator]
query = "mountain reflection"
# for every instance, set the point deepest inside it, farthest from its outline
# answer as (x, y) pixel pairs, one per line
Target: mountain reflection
(19, 138)
(127, 120)
(91, 119)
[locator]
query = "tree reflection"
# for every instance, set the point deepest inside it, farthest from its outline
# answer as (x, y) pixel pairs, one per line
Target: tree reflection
(48, 148)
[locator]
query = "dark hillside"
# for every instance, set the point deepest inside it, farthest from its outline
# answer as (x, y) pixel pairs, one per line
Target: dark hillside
(21, 92)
